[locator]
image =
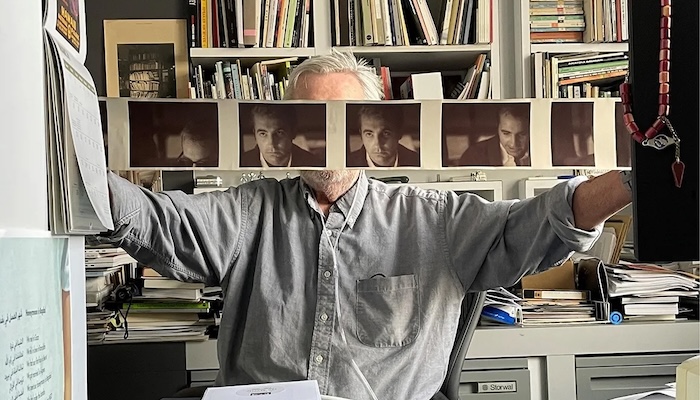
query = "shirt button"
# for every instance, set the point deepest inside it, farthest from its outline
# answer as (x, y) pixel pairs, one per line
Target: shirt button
(318, 359)
(324, 317)
(326, 274)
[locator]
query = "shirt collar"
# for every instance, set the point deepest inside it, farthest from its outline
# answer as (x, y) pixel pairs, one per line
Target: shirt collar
(371, 164)
(344, 203)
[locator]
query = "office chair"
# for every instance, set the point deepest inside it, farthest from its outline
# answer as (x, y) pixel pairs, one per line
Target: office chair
(472, 304)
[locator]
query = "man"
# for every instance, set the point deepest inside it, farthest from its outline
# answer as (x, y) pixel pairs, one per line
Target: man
(200, 148)
(274, 132)
(380, 128)
(340, 279)
(510, 148)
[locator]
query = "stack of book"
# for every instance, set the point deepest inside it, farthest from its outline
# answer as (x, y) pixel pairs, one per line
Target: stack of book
(265, 80)
(576, 75)
(106, 268)
(165, 310)
(650, 292)
(238, 23)
(556, 21)
(410, 22)
(576, 21)
(556, 306)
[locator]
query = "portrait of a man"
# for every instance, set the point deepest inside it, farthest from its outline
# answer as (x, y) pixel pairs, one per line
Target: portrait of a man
(276, 129)
(572, 134)
(170, 134)
(497, 134)
(381, 128)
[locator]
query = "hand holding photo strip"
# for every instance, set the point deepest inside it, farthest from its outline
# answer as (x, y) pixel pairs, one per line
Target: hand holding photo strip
(274, 135)
(486, 134)
(383, 135)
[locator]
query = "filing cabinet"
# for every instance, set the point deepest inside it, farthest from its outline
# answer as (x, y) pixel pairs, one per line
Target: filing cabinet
(507, 378)
(608, 376)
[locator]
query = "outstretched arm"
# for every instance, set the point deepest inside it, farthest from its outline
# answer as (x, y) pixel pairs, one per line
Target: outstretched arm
(599, 198)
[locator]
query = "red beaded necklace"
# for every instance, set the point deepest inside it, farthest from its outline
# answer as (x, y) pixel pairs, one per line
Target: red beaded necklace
(652, 137)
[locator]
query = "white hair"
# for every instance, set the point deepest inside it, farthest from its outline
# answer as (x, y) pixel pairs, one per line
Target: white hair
(336, 62)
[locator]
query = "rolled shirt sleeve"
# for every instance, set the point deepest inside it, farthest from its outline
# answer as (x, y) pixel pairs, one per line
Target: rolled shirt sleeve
(494, 244)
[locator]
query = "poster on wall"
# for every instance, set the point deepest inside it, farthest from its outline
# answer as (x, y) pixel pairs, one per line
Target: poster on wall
(278, 135)
(382, 135)
(35, 319)
(146, 58)
(486, 134)
(65, 22)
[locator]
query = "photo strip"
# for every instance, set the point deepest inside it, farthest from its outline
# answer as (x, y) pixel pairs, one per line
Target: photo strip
(381, 135)
(486, 134)
(623, 140)
(282, 135)
(572, 134)
(173, 134)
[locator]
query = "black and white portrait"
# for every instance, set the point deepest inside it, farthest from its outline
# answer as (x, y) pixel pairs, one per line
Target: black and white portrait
(282, 135)
(383, 135)
(623, 139)
(147, 70)
(572, 134)
(169, 134)
(486, 134)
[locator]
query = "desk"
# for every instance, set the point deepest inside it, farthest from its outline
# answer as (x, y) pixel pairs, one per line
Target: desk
(553, 357)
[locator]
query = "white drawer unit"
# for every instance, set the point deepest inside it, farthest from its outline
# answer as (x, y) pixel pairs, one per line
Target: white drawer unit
(501, 378)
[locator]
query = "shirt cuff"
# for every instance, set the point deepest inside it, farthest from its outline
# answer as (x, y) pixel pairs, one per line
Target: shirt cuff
(123, 198)
(561, 217)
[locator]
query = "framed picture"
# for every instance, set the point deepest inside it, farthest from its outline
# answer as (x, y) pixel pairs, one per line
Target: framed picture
(146, 58)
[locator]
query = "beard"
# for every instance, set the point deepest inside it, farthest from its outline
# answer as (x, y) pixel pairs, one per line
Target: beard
(331, 183)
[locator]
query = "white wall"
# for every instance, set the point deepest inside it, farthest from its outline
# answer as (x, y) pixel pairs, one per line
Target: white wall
(23, 183)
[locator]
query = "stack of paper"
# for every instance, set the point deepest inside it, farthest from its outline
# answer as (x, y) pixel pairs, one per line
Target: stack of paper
(76, 154)
(501, 307)
(556, 306)
(650, 291)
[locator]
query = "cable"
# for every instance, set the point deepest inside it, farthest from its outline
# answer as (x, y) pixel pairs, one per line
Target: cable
(337, 293)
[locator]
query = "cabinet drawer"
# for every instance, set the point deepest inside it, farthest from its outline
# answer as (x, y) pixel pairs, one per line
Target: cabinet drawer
(512, 384)
(603, 383)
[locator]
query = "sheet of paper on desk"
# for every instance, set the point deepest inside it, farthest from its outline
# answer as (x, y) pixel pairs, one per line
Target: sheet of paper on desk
(299, 390)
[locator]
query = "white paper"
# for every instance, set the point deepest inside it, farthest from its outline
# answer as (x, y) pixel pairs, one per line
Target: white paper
(299, 390)
(65, 22)
(31, 335)
(86, 130)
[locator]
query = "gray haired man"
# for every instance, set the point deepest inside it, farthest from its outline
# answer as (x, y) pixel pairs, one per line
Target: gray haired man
(345, 280)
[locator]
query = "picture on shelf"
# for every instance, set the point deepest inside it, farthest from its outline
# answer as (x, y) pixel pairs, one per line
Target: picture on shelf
(146, 58)
(486, 134)
(623, 140)
(147, 70)
(170, 134)
(383, 135)
(68, 21)
(282, 135)
(572, 134)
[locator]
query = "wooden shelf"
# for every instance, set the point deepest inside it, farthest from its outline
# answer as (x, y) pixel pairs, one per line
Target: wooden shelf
(419, 58)
(578, 47)
(250, 54)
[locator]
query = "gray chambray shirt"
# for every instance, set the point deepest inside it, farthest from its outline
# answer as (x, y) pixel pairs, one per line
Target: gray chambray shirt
(405, 258)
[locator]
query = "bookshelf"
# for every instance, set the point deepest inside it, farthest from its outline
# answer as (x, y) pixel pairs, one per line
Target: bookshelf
(525, 49)
(402, 59)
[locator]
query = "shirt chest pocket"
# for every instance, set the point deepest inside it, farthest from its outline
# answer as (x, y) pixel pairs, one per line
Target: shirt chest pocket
(388, 310)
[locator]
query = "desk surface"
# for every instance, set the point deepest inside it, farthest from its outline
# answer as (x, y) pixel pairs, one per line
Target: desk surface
(504, 342)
